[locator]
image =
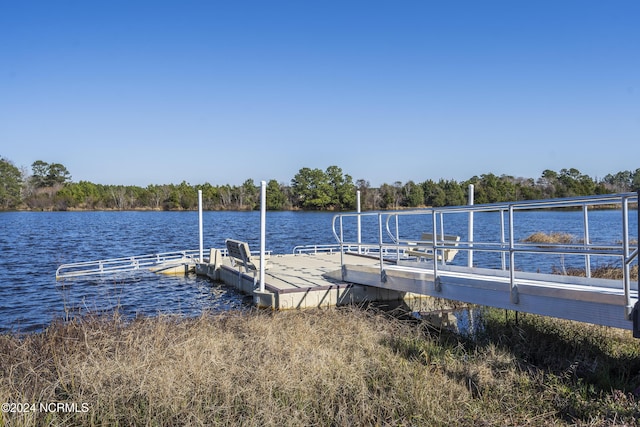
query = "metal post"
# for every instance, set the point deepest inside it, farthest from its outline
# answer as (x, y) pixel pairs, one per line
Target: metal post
(626, 281)
(358, 210)
(512, 259)
(201, 259)
(342, 247)
(263, 230)
(439, 241)
(470, 259)
(397, 238)
(502, 240)
(380, 247)
(587, 240)
(434, 223)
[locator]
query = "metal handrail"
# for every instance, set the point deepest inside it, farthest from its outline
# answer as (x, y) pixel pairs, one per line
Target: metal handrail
(362, 249)
(133, 263)
(315, 249)
(124, 264)
(507, 244)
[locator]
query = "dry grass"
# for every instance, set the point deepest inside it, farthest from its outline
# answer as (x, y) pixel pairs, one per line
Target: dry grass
(315, 367)
(549, 238)
(602, 272)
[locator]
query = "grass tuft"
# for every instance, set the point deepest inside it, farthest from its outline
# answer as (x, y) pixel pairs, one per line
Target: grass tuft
(611, 272)
(550, 238)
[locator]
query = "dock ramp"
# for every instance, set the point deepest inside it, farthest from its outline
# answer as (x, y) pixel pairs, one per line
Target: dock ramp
(589, 300)
(511, 282)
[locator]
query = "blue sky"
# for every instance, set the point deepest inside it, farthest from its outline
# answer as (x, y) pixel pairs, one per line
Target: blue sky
(158, 92)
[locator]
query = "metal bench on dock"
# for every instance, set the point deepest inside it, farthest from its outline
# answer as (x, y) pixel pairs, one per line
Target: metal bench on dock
(424, 248)
(240, 255)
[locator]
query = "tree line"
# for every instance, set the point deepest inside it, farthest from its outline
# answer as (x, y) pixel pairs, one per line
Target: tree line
(49, 187)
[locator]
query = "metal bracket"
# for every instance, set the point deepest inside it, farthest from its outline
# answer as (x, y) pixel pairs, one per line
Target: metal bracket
(344, 272)
(515, 296)
(383, 276)
(635, 316)
(437, 284)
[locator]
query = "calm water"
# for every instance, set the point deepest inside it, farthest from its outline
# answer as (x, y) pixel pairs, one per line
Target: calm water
(34, 244)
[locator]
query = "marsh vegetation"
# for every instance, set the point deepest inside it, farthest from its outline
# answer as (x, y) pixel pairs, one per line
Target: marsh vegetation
(345, 366)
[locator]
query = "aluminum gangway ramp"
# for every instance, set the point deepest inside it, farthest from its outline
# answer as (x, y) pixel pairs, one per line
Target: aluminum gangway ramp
(513, 282)
(589, 300)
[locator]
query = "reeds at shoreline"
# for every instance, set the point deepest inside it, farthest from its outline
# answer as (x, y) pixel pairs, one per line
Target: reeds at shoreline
(320, 367)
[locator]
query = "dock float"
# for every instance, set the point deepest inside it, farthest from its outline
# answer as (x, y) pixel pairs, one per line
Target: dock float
(295, 281)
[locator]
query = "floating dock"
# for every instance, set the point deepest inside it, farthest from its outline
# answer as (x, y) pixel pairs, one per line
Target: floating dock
(331, 279)
(300, 280)
(398, 267)
(349, 276)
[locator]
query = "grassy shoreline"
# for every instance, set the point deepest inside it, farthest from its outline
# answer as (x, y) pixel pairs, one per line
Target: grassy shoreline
(344, 366)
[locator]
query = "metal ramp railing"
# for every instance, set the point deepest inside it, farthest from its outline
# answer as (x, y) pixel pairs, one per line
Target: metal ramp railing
(127, 264)
(388, 251)
(520, 290)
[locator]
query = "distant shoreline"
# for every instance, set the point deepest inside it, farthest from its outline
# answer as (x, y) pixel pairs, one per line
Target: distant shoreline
(632, 206)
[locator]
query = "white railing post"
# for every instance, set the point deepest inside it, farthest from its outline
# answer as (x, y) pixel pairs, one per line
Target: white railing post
(263, 230)
(434, 221)
(358, 210)
(502, 240)
(342, 246)
(587, 240)
(397, 237)
(470, 259)
(380, 242)
(626, 272)
(512, 259)
(201, 259)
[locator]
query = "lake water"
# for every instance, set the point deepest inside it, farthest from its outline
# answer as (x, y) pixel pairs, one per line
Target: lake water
(34, 244)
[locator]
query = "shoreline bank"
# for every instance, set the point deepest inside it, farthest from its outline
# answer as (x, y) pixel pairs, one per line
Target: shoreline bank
(322, 367)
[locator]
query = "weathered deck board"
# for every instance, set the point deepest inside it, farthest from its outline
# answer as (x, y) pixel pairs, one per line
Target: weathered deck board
(307, 280)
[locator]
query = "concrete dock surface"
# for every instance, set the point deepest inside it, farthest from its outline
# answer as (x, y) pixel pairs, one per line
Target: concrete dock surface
(300, 281)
